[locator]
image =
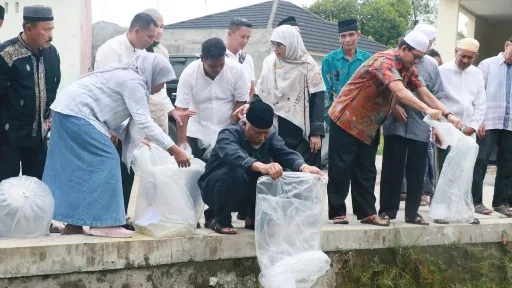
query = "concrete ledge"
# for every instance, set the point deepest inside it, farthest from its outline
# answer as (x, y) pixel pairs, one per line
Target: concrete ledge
(81, 253)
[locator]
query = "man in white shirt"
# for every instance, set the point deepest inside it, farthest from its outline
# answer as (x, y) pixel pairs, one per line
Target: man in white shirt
(239, 33)
(464, 86)
(496, 131)
(119, 50)
(214, 87)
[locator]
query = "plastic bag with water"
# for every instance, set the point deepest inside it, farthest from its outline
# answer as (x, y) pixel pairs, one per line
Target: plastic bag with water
(26, 207)
(288, 230)
(208, 139)
(453, 200)
(169, 202)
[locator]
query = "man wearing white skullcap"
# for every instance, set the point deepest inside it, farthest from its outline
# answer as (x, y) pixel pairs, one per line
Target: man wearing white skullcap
(465, 93)
(356, 116)
(464, 84)
(406, 142)
(430, 32)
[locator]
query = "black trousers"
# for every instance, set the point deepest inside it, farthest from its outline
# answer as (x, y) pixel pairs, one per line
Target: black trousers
(229, 189)
(32, 160)
(196, 151)
(395, 150)
(503, 183)
(126, 178)
(350, 159)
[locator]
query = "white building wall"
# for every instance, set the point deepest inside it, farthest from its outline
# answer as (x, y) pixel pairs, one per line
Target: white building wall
(67, 36)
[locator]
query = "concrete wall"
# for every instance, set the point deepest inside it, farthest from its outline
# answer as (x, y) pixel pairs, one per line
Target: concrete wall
(70, 21)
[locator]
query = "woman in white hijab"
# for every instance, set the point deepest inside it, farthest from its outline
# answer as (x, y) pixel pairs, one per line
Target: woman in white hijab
(82, 167)
(291, 82)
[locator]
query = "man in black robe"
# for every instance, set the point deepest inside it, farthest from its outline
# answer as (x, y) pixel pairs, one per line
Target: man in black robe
(29, 79)
(244, 152)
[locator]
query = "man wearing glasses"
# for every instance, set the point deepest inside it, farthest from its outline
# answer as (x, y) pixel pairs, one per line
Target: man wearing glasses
(407, 137)
(356, 116)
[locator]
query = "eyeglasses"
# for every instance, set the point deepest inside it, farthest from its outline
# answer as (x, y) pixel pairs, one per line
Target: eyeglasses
(276, 45)
(417, 57)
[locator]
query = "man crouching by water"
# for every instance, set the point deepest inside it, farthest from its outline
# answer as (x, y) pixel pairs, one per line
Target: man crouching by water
(244, 152)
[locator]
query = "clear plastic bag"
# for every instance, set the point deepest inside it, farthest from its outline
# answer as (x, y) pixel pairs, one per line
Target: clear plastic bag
(169, 202)
(208, 140)
(288, 230)
(453, 200)
(26, 207)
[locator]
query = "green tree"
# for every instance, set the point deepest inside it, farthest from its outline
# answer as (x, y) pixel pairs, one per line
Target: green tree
(335, 10)
(425, 10)
(385, 20)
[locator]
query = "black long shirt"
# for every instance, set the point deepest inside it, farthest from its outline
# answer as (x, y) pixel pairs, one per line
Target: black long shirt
(28, 86)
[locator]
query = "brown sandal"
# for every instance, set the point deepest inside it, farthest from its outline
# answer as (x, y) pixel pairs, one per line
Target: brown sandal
(418, 221)
(375, 220)
(481, 209)
(504, 209)
(340, 220)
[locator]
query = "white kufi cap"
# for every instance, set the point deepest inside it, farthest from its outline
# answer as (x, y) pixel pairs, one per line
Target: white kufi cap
(428, 30)
(417, 40)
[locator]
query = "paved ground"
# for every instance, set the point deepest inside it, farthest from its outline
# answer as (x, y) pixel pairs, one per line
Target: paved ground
(424, 211)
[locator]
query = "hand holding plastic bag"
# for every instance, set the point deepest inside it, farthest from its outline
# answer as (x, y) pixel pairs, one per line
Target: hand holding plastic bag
(452, 200)
(26, 207)
(288, 230)
(169, 201)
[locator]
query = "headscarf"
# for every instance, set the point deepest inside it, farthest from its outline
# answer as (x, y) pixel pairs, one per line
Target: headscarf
(287, 84)
(154, 69)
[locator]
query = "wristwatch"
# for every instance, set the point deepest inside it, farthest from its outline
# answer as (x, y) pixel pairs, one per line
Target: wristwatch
(448, 114)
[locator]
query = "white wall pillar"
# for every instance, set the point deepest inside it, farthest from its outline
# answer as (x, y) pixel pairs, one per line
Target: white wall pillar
(447, 26)
(471, 26)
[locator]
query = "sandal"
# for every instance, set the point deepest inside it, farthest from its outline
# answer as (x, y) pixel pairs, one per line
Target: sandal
(441, 221)
(340, 220)
(475, 222)
(418, 221)
(112, 232)
(375, 220)
(481, 209)
(219, 229)
(384, 216)
(504, 209)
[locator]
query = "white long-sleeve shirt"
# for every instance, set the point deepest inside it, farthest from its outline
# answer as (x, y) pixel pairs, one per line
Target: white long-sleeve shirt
(115, 51)
(465, 93)
(107, 100)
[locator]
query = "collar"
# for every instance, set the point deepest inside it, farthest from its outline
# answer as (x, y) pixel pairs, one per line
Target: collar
(24, 44)
(398, 61)
(341, 54)
(127, 43)
(502, 60)
(233, 54)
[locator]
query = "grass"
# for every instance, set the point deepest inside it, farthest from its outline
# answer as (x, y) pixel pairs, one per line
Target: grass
(381, 144)
(451, 266)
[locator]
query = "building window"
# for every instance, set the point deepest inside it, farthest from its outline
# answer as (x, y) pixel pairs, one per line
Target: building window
(17, 7)
(6, 7)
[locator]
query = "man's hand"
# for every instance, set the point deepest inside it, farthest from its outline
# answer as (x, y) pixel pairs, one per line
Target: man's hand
(114, 139)
(436, 137)
(147, 143)
(312, 170)
(274, 170)
(180, 156)
(455, 121)
(400, 114)
(434, 114)
(481, 131)
(179, 116)
(315, 143)
(241, 111)
(468, 131)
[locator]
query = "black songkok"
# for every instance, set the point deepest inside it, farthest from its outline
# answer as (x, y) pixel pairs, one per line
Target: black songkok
(290, 20)
(348, 25)
(260, 115)
(37, 13)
